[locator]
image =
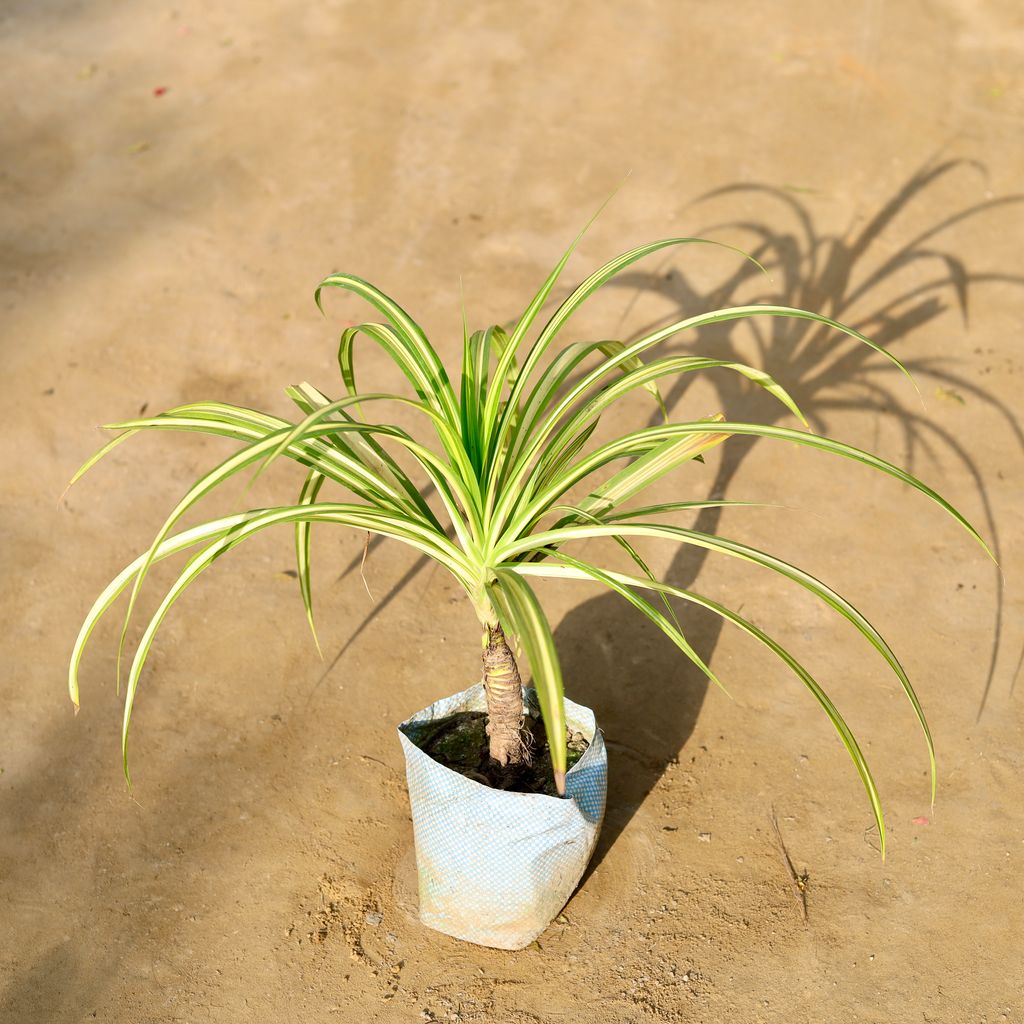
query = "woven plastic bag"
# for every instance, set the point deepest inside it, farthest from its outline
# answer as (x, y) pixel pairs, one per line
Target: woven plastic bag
(495, 867)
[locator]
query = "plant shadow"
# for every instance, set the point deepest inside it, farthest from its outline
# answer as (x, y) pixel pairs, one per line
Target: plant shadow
(643, 691)
(883, 278)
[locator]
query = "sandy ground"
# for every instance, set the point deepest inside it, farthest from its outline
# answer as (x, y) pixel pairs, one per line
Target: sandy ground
(162, 246)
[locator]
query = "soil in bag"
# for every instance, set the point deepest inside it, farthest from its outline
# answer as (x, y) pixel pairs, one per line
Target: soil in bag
(459, 742)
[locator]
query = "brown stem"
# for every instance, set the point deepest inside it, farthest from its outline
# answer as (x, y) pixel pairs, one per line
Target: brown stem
(504, 691)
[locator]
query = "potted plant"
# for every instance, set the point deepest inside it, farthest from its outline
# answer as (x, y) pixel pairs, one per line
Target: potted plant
(507, 785)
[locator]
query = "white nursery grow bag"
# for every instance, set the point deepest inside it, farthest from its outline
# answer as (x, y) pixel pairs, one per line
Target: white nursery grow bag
(496, 867)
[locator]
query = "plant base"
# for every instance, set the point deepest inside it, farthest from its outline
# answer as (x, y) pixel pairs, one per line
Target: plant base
(496, 867)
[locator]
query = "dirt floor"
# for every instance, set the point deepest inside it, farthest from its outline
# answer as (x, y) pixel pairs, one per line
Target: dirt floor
(175, 180)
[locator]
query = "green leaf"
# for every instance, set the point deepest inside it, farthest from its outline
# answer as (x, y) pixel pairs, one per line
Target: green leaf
(544, 447)
(734, 549)
(648, 468)
(208, 482)
(635, 364)
(454, 483)
(582, 292)
(308, 496)
(406, 344)
(362, 447)
(653, 461)
(110, 593)
(550, 470)
(849, 741)
(651, 437)
(529, 437)
(336, 464)
(103, 451)
(648, 341)
(668, 507)
(669, 628)
(357, 516)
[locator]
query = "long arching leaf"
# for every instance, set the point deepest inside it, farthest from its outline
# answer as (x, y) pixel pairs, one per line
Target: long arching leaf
(849, 741)
(721, 545)
(642, 441)
(357, 516)
(406, 344)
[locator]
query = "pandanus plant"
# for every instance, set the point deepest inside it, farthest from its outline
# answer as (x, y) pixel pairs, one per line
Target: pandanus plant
(512, 448)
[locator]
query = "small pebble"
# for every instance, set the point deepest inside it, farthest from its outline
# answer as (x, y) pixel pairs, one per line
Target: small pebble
(374, 917)
(704, 837)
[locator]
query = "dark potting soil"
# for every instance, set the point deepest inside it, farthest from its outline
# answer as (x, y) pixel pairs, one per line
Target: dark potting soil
(459, 742)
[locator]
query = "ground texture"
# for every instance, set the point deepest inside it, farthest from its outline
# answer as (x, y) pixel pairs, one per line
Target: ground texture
(176, 179)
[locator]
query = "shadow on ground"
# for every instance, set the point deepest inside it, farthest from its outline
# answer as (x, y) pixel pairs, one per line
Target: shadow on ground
(615, 660)
(113, 886)
(612, 657)
(619, 663)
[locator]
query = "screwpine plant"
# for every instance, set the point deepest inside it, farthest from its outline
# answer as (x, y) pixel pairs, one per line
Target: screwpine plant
(503, 449)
